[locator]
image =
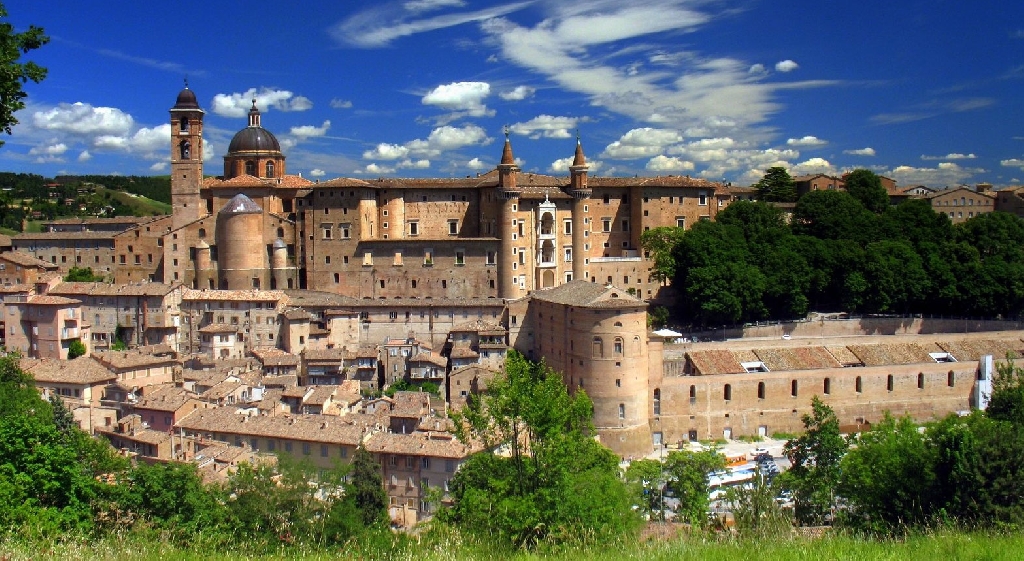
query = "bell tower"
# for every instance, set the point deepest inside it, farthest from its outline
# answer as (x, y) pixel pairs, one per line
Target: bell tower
(186, 158)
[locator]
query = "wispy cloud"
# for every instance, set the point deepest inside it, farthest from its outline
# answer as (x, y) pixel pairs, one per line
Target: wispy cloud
(948, 157)
(861, 152)
(806, 142)
(932, 109)
(379, 26)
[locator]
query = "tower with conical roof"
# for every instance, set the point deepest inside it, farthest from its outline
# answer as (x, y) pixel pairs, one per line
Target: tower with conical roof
(186, 158)
(508, 196)
(580, 192)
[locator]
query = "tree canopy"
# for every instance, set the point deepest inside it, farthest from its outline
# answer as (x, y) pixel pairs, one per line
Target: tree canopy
(15, 72)
(776, 186)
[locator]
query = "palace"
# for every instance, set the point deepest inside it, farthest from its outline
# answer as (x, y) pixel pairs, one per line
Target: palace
(364, 283)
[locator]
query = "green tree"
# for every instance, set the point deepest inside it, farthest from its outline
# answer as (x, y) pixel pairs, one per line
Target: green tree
(368, 489)
(815, 456)
(688, 477)
(556, 482)
(76, 349)
(646, 479)
(756, 512)
(867, 188)
(82, 274)
(834, 215)
(776, 186)
(659, 244)
(887, 479)
(16, 73)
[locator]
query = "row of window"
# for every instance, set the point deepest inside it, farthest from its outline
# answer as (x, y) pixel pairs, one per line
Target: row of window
(890, 385)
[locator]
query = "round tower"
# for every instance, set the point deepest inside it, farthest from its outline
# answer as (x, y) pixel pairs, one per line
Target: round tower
(508, 195)
(241, 256)
(580, 192)
(279, 265)
(204, 266)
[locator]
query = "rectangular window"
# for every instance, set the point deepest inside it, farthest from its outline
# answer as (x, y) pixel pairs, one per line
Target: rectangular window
(367, 258)
(491, 260)
(414, 228)
(460, 257)
(680, 222)
(568, 227)
(453, 227)
(625, 225)
(568, 254)
(398, 257)
(327, 231)
(702, 198)
(606, 224)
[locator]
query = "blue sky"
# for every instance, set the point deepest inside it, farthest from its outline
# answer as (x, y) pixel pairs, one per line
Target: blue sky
(925, 92)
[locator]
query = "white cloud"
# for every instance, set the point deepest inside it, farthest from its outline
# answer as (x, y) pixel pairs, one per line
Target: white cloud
(666, 163)
(861, 152)
(757, 69)
(463, 97)
(947, 157)
(307, 131)
(546, 126)
(1012, 163)
(317, 173)
(561, 165)
(238, 104)
(375, 169)
(49, 150)
(84, 156)
(84, 119)
(447, 138)
(945, 173)
(159, 166)
(786, 66)
(427, 5)
(813, 165)
(386, 151)
(413, 164)
(518, 93)
(380, 25)
(476, 164)
(341, 103)
(641, 143)
(806, 142)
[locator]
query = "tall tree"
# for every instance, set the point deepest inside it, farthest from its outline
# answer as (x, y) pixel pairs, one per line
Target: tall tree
(867, 188)
(555, 483)
(776, 186)
(659, 243)
(688, 476)
(16, 73)
(368, 488)
(815, 457)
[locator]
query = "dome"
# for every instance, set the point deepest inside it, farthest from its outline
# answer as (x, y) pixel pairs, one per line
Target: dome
(240, 204)
(279, 244)
(202, 245)
(254, 139)
(186, 100)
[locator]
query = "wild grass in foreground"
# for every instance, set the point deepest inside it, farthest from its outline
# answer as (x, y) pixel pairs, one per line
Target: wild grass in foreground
(452, 546)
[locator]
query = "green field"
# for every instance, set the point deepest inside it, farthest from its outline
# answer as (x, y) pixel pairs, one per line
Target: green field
(934, 547)
(141, 206)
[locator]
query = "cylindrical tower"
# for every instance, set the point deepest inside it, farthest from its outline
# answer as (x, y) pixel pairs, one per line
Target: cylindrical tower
(204, 266)
(580, 192)
(508, 197)
(279, 265)
(241, 260)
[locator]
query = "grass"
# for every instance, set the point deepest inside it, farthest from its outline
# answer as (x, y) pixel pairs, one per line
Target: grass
(141, 206)
(932, 547)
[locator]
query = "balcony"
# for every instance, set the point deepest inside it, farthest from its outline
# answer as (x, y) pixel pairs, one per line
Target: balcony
(69, 333)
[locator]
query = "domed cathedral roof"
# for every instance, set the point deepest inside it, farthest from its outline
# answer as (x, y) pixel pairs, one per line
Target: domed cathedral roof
(254, 138)
(186, 99)
(240, 204)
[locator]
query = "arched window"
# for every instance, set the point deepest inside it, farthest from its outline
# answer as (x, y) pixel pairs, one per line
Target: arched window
(828, 386)
(250, 167)
(186, 149)
(598, 350)
(793, 388)
(760, 390)
(202, 232)
(183, 124)
(657, 401)
(727, 394)
(270, 169)
(618, 346)
(636, 344)
(920, 381)
(859, 385)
